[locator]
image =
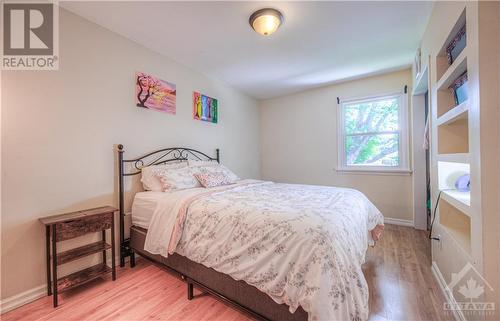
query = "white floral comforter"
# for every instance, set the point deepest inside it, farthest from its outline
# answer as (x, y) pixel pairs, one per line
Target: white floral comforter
(303, 245)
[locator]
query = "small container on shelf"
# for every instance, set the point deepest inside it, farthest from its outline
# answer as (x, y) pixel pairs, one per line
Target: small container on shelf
(460, 89)
(456, 45)
(462, 184)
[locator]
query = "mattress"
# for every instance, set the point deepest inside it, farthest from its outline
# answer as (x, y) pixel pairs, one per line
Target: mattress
(143, 207)
(302, 245)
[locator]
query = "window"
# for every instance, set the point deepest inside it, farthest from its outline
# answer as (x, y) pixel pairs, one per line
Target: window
(373, 134)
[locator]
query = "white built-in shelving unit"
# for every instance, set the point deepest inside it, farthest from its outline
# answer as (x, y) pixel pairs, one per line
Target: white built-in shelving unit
(464, 139)
(452, 128)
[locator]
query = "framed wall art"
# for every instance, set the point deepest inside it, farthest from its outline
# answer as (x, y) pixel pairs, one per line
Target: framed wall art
(205, 108)
(154, 93)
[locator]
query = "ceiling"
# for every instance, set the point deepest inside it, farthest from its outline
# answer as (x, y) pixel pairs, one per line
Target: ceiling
(319, 42)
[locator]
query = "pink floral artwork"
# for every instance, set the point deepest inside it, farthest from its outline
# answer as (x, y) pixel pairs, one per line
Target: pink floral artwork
(154, 93)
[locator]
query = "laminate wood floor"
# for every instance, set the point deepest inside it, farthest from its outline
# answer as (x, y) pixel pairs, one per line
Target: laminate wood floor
(398, 272)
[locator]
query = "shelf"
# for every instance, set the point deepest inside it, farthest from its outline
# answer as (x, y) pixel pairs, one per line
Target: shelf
(455, 245)
(453, 138)
(454, 158)
(442, 66)
(81, 277)
(421, 82)
(460, 200)
(82, 251)
(461, 236)
(457, 224)
(457, 68)
(454, 114)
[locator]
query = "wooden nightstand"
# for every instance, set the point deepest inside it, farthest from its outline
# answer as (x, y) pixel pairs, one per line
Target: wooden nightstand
(71, 225)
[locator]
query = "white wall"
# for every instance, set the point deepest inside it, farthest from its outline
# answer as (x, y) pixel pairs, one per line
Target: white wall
(59, 129)
(299, 142)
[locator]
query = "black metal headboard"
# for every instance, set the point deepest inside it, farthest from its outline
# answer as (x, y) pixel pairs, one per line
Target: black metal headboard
(161, 156)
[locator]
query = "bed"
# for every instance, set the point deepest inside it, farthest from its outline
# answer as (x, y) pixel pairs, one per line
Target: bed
(275, 251)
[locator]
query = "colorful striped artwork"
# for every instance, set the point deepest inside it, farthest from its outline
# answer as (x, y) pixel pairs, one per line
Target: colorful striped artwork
(204, 108)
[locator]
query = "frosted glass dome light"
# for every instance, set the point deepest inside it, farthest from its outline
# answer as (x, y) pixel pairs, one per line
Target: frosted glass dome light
(266, 21)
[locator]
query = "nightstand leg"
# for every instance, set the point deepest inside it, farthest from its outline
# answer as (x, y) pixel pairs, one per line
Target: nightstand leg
(54, 264)
(113, 265)
(104, 251)
(47, 251)
(190, 290)
(132, 258)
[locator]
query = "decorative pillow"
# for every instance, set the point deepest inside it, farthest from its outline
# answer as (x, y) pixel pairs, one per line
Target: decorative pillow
(212, 166)
(207, 179)
(180, 178)
(150, 182)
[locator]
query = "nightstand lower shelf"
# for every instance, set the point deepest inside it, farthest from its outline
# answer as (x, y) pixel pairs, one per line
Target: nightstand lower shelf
(82, 251)
(81, 277)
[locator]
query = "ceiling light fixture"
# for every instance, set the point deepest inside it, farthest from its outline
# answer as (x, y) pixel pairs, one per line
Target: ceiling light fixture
(266, 21)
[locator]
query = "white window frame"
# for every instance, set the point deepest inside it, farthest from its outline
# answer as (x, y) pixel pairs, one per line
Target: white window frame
(404, 166)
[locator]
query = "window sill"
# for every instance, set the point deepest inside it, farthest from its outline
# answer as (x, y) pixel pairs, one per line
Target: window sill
(399, 172)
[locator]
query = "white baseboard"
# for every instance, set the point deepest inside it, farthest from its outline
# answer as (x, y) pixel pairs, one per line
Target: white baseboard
(20, 299)
(457, 314)
(397, 221)
(31, 295)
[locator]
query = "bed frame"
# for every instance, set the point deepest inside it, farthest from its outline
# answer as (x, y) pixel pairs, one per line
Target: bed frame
(158, 157)
(238, 294)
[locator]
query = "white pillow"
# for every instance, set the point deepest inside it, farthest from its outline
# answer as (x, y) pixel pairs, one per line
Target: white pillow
(149, 179)
(180, 178)
(193, 163)
(213, 167)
